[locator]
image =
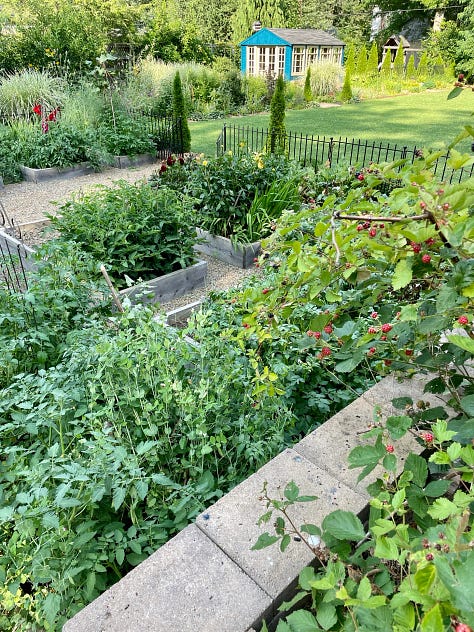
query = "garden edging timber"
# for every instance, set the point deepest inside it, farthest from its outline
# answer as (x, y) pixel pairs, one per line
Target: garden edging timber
(222, 248)
(207, 577)
(61, 173)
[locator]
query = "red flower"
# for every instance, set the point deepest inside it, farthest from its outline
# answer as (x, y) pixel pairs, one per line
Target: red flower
(390, 449)
(170, 161)
(44, 126)
(37, 109)
(52, 115)
(463, 320)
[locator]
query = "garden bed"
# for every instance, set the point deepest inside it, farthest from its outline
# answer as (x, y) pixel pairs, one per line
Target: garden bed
(51, 173)
(222, 248)
(169, 286)
(126, 162)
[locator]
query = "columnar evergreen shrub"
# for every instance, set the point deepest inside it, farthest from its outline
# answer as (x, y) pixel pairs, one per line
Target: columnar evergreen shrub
(308, 95)
(276, 130)
(346, 92)
(373, 61)
(179, 111)
(386, 67)
(410, 69)
(361, 63)
(349, 62)
(399, 61)
(422, 69)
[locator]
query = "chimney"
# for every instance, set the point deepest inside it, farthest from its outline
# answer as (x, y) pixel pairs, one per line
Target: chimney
(256, 26)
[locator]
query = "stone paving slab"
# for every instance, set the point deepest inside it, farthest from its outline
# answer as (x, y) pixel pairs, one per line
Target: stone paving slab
(188, 585)
(232, 522)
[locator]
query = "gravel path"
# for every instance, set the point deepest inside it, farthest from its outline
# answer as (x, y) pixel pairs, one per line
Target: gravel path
(29, 202)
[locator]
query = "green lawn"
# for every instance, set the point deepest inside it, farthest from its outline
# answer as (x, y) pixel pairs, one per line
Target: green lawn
(425, 119)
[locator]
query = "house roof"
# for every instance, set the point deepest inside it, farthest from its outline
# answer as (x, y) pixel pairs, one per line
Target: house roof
(306, 37)
(394, 41)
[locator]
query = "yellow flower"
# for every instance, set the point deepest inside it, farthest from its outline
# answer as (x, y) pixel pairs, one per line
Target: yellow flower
(204, 163)
(260, 164)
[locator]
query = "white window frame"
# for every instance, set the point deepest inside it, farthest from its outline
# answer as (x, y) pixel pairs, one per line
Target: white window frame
(298, 60)
(251, 60)
(312, 55)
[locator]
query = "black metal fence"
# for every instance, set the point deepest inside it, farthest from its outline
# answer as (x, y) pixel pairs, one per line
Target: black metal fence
(166, 132)
(15, 256)
(320, 151)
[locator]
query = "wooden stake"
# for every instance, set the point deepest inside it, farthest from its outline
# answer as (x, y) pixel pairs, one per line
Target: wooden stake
(113, 291)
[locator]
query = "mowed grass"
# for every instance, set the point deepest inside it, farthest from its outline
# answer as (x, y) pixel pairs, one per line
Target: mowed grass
(426, 119)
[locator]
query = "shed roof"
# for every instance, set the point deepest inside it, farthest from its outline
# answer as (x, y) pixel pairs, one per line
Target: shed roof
(305, 37)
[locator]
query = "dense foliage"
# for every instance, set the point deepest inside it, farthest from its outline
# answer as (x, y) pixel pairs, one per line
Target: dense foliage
(135, 230)
(236, 196)
(382, 273)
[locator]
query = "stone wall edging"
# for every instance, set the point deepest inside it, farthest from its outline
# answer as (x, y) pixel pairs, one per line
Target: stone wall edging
(207, 578)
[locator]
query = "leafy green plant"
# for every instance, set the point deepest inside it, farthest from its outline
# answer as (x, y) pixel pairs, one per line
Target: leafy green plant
(135, 230)
(121, 134)
(60, 146)
(113, 450)
(9, 155)
(267, 207)
(410, 567)
(224, 188)
(403, 245)
(60, 297)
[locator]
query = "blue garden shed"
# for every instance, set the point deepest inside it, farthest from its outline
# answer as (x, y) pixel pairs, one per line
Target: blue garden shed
(288, 52)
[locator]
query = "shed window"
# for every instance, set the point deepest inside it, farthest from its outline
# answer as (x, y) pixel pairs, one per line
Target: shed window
(312, 55)
(251, 60)
(298, 65)
(281, 60)
(325, 54)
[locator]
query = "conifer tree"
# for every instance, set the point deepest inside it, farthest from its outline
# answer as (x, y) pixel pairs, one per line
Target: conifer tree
(346, 92)
(386, 67)
(361, 63)
(422, 69)
(179, 111)
(399, 61)
(373, 61)
(276, 131)
(411, 70)
(307, 93)
(349, 61)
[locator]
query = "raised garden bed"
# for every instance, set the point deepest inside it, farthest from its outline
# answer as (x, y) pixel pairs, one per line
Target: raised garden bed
(169, 286)
(222, 248)
(51, 173)
(125, 162)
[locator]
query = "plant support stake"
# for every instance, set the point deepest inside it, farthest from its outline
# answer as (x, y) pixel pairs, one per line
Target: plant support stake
(113, 291)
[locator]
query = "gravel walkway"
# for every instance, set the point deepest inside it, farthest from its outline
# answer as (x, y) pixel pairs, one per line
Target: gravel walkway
(29, 202)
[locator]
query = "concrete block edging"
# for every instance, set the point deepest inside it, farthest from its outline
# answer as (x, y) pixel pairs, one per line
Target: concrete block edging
(207, 577)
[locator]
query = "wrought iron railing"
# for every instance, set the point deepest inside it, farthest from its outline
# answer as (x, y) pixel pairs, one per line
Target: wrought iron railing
(318, 151)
